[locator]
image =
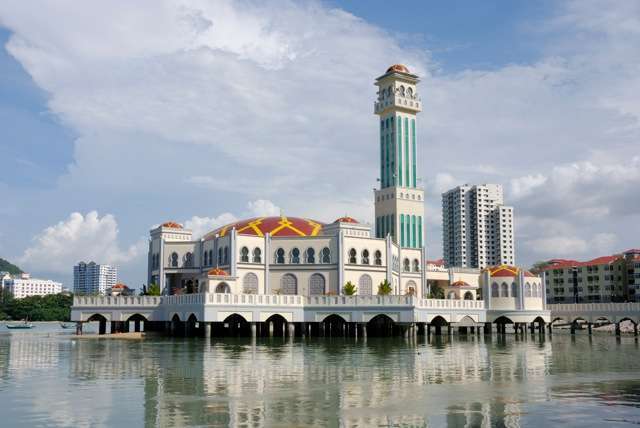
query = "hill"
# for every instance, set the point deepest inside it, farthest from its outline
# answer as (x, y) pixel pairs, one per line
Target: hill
(9, 267)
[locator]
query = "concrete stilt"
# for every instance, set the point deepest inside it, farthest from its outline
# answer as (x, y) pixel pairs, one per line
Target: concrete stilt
(355, 331)
(532, 328)
(590, 328)
(364, 331)
(254, 330)
(618, 331)
(292, 329)
(449, 330)
(573, 328)
(79, 328)
(635, 330)
(271, 329)
(207, 329)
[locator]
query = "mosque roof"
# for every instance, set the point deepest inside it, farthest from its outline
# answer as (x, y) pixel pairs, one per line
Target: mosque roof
(346, 219)
(398, 68)
(507, 271)
(276, 226)
(172, 224)
(217, 272)
(460, 283)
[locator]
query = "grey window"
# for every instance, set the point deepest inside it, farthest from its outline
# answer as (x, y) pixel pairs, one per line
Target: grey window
(280, 256)
(250, 283)
(326, 255)
(352, 256)
(310, 255)
(257, 255)
(174, 259)
(244, 255)
(378, 258)
(316, 284)
(288, 284)
(365, 257)
(365, 285)
(295, 256)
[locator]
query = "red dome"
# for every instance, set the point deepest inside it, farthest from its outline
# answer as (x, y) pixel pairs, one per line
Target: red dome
(398, 68)
(504, 270)
(172, 224)
(276, 226)
(460, 284)
(346, 220)
(217, 272)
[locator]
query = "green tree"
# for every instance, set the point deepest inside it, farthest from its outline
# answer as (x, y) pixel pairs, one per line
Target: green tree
(52, 307)
(153, 290)
(436, 292)
(384, 289)
(5, 266)
(349, 289)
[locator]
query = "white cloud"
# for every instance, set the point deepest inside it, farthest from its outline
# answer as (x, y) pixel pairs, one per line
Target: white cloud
(524, 186)
(263, 208)
(573, 246)
(202, 225)
(79, 238)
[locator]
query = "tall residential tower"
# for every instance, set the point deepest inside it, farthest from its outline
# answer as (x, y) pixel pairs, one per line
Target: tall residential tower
(477, 228)
(92, 278)
(399, 202)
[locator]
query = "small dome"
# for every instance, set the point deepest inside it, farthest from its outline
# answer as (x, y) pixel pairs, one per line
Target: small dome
(503, 270)
(172, 225)
(398, 68)
(346, 220)
(217, 272)
(119, 285)
(460, 284)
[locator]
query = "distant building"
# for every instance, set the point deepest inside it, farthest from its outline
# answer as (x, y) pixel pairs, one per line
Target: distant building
(24, 286)
(92, 278)
(603, 279)
(120, 290)
(477, 228)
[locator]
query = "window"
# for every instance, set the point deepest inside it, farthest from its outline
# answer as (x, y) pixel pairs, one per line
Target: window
(295, 256)
(365, 285)
(310, 256)
(174, 259)
(257, 255)
(210, 257)
(365, 257)
(250, 283)
(316, 284)
(226, 256)
(378, 258)
(206, 258)
(219, 256)
(326, 255)
(244, 255)
(402, 90)
(468, 295)
(223, 287)
(527, 290)
(416, 265)
(188, 259)
(504, 290)
(288, 283)
(411, 288)
(280, 256)
(514, 290)
(352, 256)
(406, 265)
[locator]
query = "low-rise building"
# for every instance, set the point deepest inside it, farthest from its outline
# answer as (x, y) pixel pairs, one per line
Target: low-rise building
(612, 278)
(23, 285)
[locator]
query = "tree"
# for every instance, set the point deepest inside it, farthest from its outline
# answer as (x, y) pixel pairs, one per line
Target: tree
(349, 289)
(436, 292)
(5, 266)
(384, 289)
(153, 290)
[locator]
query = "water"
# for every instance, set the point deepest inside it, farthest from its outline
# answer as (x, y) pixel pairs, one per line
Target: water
(48, 378)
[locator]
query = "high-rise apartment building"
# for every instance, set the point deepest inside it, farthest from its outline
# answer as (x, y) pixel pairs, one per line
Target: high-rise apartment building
(477, 228)
(92, 278)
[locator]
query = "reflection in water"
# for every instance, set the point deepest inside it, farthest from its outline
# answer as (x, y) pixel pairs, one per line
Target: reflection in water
(335, 382)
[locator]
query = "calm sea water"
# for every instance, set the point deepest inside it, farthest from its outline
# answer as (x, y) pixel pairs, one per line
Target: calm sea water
(48, 378)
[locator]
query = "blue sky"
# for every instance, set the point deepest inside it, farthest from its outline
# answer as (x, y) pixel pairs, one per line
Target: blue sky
(206, 112)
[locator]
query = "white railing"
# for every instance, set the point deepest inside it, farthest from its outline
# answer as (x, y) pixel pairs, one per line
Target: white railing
(375, 300)
(254, 299)
(184, 299)
(450, 304)
(594, 307)
(116, 301)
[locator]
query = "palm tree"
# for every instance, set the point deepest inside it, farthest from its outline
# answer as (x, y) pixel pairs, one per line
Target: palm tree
(384, 289)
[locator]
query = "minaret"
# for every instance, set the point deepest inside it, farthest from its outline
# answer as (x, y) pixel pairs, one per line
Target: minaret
(399, 201)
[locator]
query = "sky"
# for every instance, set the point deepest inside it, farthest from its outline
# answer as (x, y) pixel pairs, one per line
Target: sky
(115, 118)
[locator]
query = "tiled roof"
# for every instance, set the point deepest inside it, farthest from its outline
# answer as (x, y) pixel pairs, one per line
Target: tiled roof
(564, 263)
(217, 272)
(172, 224)
(346, 220)
(276, 226)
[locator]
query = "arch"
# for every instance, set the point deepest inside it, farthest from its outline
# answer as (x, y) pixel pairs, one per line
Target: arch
(365, 285)
(295, 256)
(468, 295)
(206, 258)
(514, 290)
(250, 283)
(406, 265)
(317, 284)
(539, 321)
(352, 256)
(235, 317)
(279, 322)
(137, 317)
(409, 92)
(377, 258)
(257, 255)
(310, 256)
(236, 325)
(416, 265)
(288, 284)
(537, 292)
(223, 288)
(220, 259)
(466, 321)
(97, 318)
(326, 255)
(626, 318)
(439, 321)
(226, 256)
(503, 320)
(495, 290)
(210, 257)
(192, 318)
(244, 255)
(175, 318)
(402, 90)
(336, 317)
(174, 259)
(188, 259)
(527, 290)
(380, 325)
(411, 288)
(451, 295)
(280, 256)
(365, 257)
(504, 290)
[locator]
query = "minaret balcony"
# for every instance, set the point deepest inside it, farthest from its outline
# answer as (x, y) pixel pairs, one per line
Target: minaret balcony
(398, 102)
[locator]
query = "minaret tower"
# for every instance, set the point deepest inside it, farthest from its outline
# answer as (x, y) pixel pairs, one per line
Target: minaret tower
(399, 201)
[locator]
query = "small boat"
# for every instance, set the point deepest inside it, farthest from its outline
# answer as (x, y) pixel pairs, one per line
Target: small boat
(63, 325)
(22, 325)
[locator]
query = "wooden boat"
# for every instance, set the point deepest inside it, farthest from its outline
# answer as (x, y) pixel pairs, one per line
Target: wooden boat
(22, 325)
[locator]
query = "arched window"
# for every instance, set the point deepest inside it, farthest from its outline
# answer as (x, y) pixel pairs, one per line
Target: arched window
(504, 290)
(310, 256)
(527, 290)
(295, 256)
(206, 258)
(188, 259)
(220, 255)
(411, 288)
(365, 257)
(244, 255)
(538, 290)
(280, 256)
(257, 255)
(326, 255)
(494, 290)
(406, 265)
(402, 90)
(468, 295)
(226, 256)
(250, 283)
(316, 284)
(377, 258)
(288, 284)
(223, 287)
(389, 91)
(452, 295)
(416, 265)
(409, 93)
(514, 289)
(210, 257)
(352, 256)
(174, 259)
(365, 285)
